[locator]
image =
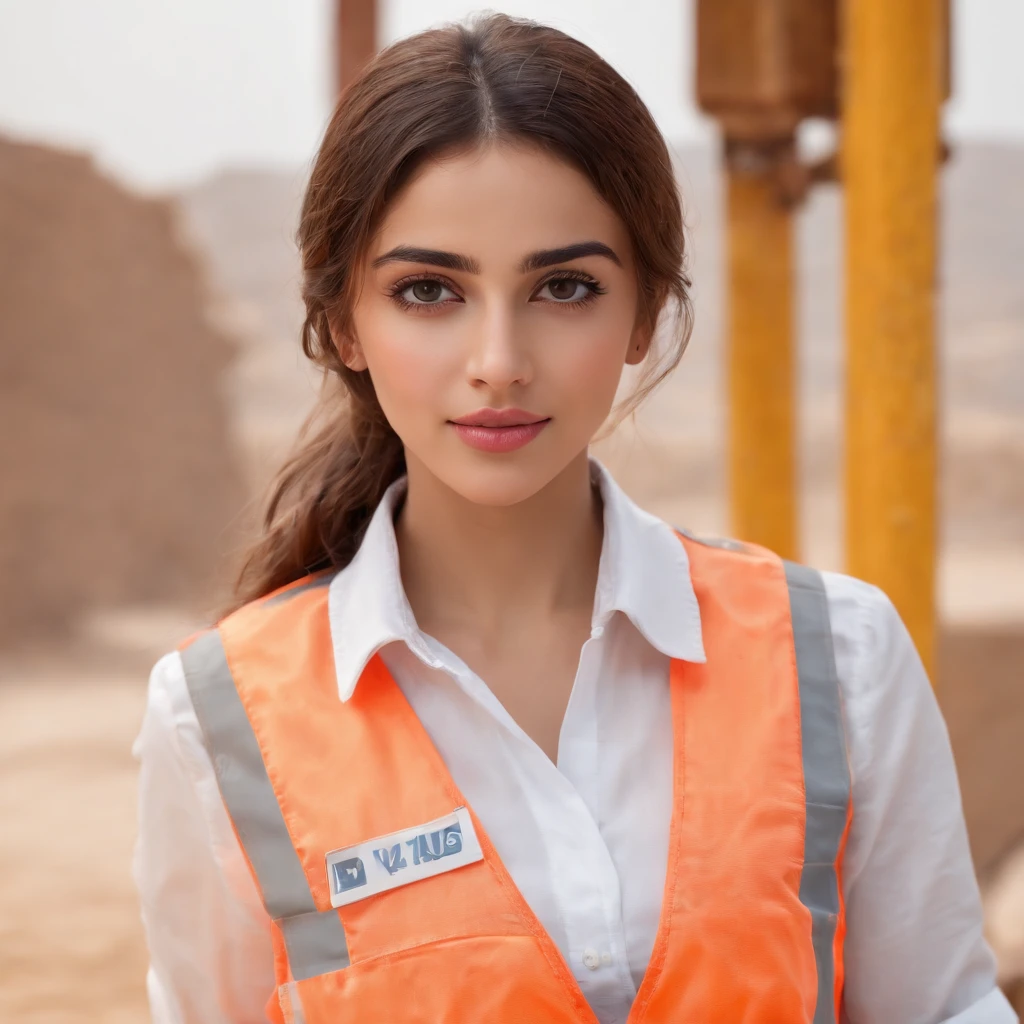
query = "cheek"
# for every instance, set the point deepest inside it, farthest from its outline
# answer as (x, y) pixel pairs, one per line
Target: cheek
(409, 366)
(587, 362)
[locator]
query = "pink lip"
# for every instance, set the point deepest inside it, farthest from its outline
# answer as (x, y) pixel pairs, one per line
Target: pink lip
(499, 418)
(499, 430)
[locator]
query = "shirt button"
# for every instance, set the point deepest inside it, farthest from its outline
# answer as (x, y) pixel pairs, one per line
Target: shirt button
(597, 632)
(591, 960)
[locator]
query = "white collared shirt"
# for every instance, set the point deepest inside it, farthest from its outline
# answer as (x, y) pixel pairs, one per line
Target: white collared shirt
(586, 840)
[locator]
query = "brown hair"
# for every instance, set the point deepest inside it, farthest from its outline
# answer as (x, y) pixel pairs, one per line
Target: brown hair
(497, 79)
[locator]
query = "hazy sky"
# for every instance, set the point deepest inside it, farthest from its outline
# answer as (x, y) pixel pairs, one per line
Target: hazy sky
(166, 92)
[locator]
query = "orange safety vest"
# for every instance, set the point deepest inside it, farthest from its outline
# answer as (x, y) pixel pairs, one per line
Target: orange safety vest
(752, 921)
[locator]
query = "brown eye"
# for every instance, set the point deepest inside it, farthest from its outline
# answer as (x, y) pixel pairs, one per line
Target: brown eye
(427, 291)
(565, 289)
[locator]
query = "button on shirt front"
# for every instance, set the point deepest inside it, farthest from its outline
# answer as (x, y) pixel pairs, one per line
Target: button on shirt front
(586, 840)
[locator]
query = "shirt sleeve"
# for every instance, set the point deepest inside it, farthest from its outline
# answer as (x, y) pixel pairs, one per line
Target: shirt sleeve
(211, 954)
(915, 952)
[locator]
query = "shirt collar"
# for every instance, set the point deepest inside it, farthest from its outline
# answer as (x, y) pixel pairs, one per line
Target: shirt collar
(644, 573)
(366, 603)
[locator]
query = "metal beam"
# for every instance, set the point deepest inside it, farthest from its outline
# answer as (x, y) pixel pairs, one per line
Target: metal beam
(890, 150)
(761, 367)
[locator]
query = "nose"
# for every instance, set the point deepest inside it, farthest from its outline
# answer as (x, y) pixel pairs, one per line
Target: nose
(498, 354)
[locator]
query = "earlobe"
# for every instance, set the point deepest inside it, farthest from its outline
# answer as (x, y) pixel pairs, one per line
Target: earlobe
(639, 344)
(350, 352)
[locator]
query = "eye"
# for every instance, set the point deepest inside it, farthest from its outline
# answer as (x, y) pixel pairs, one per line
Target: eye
(423, 293)
(426, 292)
(569, 289)
(565, 289)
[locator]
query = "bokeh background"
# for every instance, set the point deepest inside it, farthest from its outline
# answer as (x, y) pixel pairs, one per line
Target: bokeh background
(152, 157)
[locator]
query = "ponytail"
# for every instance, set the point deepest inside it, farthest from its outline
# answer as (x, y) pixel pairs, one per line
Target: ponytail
(324, 496)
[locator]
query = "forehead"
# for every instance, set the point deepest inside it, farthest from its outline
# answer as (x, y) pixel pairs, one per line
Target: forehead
(496, 204)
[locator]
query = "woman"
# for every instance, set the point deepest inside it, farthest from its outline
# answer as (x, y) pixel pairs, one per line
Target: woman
(482, 741)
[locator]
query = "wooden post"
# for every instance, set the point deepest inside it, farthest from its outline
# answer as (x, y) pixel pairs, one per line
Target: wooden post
(355, 31)
(890, 152)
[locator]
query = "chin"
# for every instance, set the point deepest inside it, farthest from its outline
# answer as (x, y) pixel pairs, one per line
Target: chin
(497, 480)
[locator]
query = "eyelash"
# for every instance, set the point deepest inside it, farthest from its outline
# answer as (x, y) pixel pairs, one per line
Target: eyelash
(395, 292)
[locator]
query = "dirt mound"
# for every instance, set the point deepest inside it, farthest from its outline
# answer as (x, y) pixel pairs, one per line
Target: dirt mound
(119, 483)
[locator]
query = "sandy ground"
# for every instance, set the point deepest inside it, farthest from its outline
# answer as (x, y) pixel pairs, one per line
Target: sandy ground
(71, 947)
(73, 950)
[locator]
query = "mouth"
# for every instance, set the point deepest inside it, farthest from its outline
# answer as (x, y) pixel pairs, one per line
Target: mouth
(499, 430)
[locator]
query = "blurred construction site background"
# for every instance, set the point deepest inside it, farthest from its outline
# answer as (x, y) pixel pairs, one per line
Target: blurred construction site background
(151, 161)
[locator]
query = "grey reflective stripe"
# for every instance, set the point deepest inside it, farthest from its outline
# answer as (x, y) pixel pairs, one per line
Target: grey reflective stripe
(826, 771)
(242, 778)
(315, 940)
(316, 943)
(314, 584)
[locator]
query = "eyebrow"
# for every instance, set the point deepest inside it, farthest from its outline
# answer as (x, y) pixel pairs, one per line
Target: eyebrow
(534, 261)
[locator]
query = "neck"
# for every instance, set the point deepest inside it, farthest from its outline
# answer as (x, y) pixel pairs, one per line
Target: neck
(470, 565)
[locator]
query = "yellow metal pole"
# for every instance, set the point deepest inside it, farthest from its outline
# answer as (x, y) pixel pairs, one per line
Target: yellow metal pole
(761, 372)
(890, 152)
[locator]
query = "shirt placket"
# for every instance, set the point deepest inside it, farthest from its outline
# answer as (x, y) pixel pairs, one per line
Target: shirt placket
(584, 882)
(599, 950)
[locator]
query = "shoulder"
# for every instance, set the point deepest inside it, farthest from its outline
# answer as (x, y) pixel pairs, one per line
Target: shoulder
(268, 626)
(169, 725)
(177, 775)
(891, 715)
(858, 607)
(167, 686)
(874, 652)
(313, 587)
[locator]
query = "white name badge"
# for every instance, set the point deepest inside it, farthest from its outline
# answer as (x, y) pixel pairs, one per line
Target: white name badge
(402, 857)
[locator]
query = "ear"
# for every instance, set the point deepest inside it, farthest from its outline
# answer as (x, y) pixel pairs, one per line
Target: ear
(350, 352)
(639, 344)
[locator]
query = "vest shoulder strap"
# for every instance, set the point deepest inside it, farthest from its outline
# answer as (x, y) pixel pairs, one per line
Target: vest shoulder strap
(826, 768)
(315, 939)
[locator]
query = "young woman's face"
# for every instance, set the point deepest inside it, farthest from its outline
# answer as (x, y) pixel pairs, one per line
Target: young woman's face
(498, 306)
